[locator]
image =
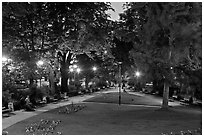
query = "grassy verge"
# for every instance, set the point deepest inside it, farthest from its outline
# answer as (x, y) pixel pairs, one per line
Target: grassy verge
(112, 119)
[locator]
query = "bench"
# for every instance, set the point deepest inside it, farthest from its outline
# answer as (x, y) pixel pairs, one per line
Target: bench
(6, 110)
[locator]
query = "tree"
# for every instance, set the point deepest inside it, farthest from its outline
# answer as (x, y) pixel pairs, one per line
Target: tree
(104, 67)
(27, 34)
(83, 27)
(165, 35)
(86, 63)
(120, 51)
(32, 30)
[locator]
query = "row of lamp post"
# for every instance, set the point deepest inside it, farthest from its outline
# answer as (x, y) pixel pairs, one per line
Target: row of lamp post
(73, 68)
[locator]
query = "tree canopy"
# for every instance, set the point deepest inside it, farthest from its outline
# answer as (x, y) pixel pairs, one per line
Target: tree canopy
(165, 36)
(58, 31)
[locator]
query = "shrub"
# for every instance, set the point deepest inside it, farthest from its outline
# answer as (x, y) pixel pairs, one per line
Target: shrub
(37, 94)
(5, 99)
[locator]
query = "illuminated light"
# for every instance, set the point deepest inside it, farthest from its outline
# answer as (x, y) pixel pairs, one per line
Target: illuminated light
(40, 63)
(49, 25)
(149, 84)
(137, 73)
(4, 59)
(71, 69)
(105, 52)
(78, 70)
(71, 62)
(94, 68)
(75, 66)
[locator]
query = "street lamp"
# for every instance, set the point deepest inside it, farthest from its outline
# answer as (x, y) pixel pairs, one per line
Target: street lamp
(71, 69)
(120, 80)
(48, 68)
(78, 70)
(94, 68)
(137, 74)
(74, 68)
(4, 59)
(40, 63)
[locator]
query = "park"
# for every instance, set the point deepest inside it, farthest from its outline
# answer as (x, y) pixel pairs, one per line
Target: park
(71, 68)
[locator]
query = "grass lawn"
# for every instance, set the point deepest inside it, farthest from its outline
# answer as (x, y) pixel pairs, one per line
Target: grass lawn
(126, 99)
(112, 119)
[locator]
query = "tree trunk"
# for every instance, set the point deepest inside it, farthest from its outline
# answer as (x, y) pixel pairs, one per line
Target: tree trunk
(65, 58)
(86, 82)
(31, 82)
(64, 79)
(52, 82)
(165, 95)
(64, 86)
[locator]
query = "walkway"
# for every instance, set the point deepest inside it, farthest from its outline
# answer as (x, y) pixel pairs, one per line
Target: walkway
(22, 114)
(156, 98)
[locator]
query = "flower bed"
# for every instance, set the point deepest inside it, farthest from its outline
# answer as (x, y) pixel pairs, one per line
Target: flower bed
(44, 127)
(189, 132)
(72, 108)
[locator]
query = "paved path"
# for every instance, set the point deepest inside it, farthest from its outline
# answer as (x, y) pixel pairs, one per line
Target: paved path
(22, 115)
(156, 98)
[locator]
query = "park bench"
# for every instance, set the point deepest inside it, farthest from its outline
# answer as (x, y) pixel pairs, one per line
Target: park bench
(184, 101)
(4, 110)
(198, 102)
(9, 109)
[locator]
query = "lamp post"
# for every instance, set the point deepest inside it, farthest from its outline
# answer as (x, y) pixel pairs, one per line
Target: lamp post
(75, 69)
(5, 60)
(137, 74)
(51, 74)
(94, 68)
(120, 63)
(40, 63)
(78, 70)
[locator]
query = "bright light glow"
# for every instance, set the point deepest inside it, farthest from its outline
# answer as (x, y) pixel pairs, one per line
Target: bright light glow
(149, 84)
(94, 68)
(4, 59)
(75, 66)
(105, 52)
(71, 69)
(137, 74)
(78, 70)
(71, 62)
(40, 63)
